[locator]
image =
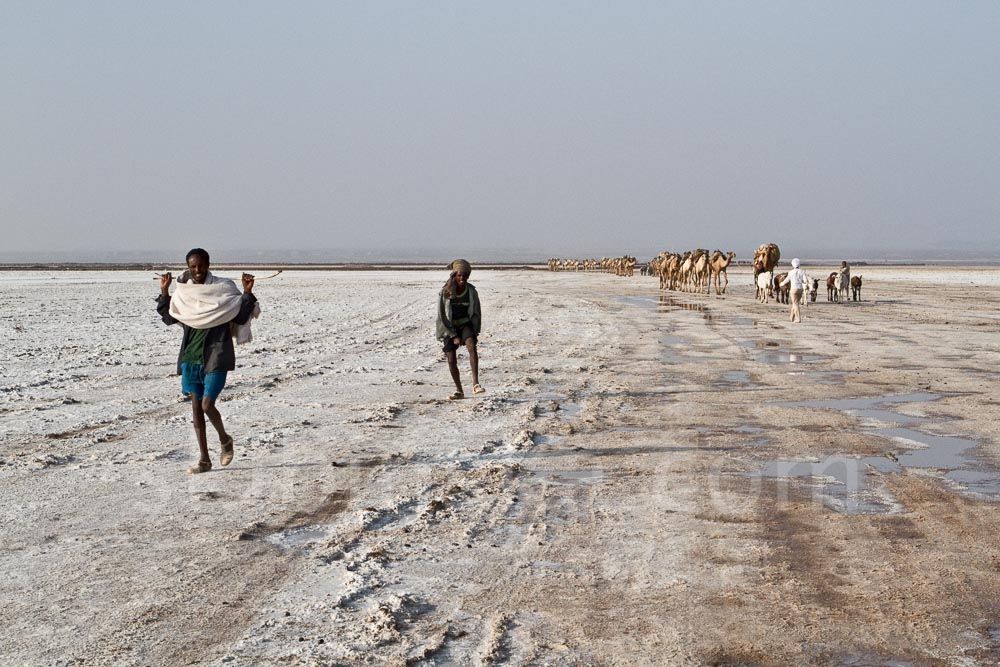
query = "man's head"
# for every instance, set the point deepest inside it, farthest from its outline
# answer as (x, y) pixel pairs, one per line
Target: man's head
(795, 263)
(197, 263)
(460, 272)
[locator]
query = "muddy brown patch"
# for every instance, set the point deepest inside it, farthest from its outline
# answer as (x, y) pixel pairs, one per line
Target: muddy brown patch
(332, 504)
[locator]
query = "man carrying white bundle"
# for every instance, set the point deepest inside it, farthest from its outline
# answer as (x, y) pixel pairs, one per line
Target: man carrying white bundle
(798, 280)
(212, 311)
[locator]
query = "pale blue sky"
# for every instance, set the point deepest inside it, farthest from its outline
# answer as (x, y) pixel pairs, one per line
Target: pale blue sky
(563, 127)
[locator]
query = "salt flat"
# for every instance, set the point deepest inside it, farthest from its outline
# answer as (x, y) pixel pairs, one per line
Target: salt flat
(629, 491)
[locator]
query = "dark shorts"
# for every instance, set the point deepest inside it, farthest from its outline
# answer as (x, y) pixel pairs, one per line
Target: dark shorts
(465, 333)
(198, 384)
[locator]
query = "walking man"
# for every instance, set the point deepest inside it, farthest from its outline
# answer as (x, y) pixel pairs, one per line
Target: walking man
(459, 321)
(206, 306)
(798, 279)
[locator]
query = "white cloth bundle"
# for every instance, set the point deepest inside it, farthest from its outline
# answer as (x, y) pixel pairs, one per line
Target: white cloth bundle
(216, 301)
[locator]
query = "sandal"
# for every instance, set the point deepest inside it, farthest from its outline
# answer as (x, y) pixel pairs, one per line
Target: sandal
(478, 389)
(200, 467)
(227, 452)
(456, 396)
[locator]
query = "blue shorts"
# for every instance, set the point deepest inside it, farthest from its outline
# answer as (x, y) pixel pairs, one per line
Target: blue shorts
(194, 381)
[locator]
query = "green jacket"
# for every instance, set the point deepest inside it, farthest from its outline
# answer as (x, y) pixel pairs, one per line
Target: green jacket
(445, 329)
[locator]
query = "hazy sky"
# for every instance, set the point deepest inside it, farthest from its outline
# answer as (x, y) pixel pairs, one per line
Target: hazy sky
(563, 127)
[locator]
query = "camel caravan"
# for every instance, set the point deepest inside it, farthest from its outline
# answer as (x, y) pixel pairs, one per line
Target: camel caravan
(698, 270)
(620, 266)
(693, 271)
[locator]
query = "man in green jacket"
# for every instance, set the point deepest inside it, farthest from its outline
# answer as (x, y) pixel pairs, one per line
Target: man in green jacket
(459, 321)
(207, 354)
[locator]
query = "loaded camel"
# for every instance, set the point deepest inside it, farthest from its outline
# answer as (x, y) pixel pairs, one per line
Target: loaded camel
(764, 260)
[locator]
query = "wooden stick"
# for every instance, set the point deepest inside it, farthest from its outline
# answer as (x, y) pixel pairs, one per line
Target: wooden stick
(273, 275)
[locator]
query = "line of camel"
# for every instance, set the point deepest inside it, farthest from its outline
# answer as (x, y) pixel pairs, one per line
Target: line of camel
(699, 270)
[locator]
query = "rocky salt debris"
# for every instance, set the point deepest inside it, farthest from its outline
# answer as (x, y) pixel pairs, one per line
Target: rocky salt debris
(382, 413)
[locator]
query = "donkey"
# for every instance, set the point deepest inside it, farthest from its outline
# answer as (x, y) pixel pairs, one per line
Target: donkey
(762, 281)
(844, 283)
(856, 288)
(832, 288)
(781, 293)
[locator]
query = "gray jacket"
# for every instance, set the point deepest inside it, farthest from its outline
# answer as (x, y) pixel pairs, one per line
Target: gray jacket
(445, 329)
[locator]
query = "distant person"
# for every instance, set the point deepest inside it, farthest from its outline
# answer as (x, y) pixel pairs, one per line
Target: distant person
(843, 280)
(206, 306)
(798, 280)
(459, 321)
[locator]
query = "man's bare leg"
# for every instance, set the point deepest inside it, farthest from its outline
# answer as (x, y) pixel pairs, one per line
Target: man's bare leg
(470, 345)
(453, 369)
(208, 407)
(198, 415)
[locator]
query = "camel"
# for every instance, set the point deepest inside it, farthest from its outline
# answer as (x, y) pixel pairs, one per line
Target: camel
(705, 275)
(657, 267)
(685, 269)
(719, 263)
(856, 288)
(691, 271)
(672, 269)
(701, 271)
(765, 259)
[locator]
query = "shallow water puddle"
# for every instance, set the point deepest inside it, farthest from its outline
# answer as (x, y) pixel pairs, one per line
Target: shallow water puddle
(673, 340)
(838, 482)
(877, 408)
(543, 439)
(569, 411)
(738, 320)
(735, 377)
(678, 349)
(640, 301)
(951, 455)
(771, 352)
(663, 303)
